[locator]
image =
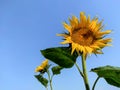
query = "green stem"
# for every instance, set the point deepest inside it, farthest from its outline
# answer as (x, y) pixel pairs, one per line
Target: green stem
(79, 70)
(46, 88)
(95, 83)
(85, 72)
(50, 79)
(51, 82)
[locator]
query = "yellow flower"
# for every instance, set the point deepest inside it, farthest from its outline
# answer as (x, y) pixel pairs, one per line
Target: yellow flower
(42, 66)
(39, 69)
(85, 35)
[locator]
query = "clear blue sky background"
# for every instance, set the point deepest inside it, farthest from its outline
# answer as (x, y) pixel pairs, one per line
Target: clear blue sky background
(27, 26)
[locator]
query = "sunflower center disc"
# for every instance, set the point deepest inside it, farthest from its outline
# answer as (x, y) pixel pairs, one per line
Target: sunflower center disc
(83, 37)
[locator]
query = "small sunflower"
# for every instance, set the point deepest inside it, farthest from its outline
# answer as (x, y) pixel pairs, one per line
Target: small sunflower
(85, 35)
(42, 66)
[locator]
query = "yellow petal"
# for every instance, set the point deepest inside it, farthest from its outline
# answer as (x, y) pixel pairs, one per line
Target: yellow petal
(83, 19)
(100, 44)
(106, 32)
(78, 51)
(64, 35)
(95, 46)
(106, 40)
(100, 34)
(82, 49)
(75, 20)
(99, 25)
(73, 48)
(88, 49)
(67, 27)
(108, 45)
(65, 42)
(93, 24)
(88, 20)
(44, 63)
(72, 23)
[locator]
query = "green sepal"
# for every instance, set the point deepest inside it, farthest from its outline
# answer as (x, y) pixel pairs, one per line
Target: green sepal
(61, 56)
(42, 80)
(110, 73)
(56, 70)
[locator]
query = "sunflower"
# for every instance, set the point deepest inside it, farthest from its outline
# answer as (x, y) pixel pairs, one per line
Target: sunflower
(42, 66)
(85, 36)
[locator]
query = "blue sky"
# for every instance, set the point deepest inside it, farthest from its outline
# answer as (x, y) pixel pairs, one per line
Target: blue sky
(27, 26)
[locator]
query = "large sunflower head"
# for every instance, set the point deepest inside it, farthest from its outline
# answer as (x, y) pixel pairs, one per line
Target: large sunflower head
(85, 36)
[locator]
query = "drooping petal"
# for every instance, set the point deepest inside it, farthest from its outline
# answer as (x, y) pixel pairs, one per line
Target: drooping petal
(88, 49)
(73, 47)
(81, 48)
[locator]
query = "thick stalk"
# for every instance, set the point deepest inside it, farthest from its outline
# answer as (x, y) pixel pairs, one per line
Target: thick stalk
(50, 79)
(85, 72)
(95, 83)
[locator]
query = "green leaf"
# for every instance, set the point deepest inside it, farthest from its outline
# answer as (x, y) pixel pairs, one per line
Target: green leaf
(61, 56)
(42, 80)
(56, 70)
(110, 73)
